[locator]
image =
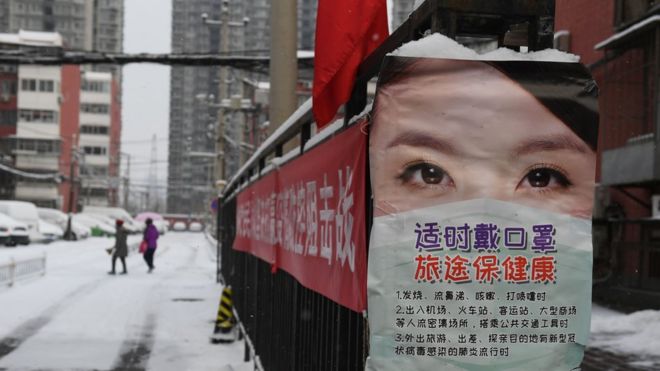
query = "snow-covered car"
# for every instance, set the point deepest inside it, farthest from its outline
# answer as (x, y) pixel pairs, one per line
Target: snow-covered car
(179, 226)
(18, 233)
(115, 213)
(5, 229)
(195, 227)
(61, 220)
(24, 212)
(49, 232)
(98, 227)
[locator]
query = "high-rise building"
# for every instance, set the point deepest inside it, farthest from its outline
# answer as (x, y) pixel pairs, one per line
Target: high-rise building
(307, 24)
(192, 118)
(83, 25)
(400, 11)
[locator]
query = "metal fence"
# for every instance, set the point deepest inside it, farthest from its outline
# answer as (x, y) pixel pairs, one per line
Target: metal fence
(14, 270)
(290, 326)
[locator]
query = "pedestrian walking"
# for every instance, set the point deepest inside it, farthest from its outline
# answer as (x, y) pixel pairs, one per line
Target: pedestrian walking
(120, 251)
(150, 237)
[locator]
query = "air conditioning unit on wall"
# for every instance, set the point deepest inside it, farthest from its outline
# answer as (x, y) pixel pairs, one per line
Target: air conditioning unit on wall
(655, 204)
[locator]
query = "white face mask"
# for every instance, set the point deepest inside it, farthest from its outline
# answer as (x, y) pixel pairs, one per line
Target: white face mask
(479, 285)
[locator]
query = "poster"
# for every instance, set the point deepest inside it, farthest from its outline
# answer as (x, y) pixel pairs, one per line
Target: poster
(480, 252)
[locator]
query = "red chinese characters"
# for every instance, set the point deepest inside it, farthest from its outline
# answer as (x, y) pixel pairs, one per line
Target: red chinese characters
(485, 269)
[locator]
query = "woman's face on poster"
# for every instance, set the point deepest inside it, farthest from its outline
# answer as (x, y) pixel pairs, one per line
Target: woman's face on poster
(471, 132)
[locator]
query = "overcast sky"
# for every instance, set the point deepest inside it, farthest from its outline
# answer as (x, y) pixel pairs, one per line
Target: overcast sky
(146, 87)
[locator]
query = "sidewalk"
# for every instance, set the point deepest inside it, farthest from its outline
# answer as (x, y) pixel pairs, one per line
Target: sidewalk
(622, 341)
(600, 360)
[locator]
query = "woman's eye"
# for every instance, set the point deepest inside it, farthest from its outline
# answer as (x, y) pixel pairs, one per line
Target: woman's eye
(425, 174)
(545, 177)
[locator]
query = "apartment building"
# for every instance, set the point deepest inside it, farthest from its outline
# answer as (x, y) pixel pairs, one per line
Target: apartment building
(620, 43)
(94, 141)
(36, 143)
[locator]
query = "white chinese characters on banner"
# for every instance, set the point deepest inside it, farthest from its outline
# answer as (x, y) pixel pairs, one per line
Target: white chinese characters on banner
(305, 219)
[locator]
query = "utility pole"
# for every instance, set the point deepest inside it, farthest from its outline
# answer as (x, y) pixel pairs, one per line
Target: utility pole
(68, 235)
(126, 180)
(283, 65)
(153, 175)
(224, 23)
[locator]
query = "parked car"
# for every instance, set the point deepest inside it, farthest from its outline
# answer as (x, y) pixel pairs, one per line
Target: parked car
(179, 226)
(5, 231)
(17, 232)
(49, 232)
(195, 227)
(98, 227)
(61, 220)
(24, 212)
(115, 213)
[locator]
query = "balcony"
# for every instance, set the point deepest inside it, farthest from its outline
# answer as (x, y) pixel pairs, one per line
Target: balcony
(36, 191)
(36, 161)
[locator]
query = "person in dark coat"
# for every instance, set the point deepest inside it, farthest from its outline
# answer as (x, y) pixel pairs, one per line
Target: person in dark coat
(150, 237)
(121, 247)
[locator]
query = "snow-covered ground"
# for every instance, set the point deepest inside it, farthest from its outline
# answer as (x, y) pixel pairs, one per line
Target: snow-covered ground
(636, 335)
(77, 317)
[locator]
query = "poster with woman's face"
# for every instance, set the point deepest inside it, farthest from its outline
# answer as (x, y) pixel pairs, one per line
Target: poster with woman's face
(483, 178)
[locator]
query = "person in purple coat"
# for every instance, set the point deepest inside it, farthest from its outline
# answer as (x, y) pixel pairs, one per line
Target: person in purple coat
(150, 237)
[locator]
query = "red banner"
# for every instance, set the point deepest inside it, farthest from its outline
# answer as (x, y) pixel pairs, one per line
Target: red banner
(308, 218)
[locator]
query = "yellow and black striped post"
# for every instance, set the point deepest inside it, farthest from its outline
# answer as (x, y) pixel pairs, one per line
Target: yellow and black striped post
(224, 323)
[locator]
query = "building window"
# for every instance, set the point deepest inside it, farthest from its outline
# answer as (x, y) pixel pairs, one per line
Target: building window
(97, 151)
(96, 192)
(7, 89)
(8, 117)
(37, 85)
(94, 170)
(46, 85)
(28, 85)
(629, 11)
(94, 129)
(95, 108)
(38, 146)
(38, 116)
(96, 86)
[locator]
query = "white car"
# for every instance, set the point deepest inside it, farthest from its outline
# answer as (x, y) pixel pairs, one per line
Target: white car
(24, 212)
(179, 226)
(61, 220)
(17, 232)
(195, 227)
(49, 232)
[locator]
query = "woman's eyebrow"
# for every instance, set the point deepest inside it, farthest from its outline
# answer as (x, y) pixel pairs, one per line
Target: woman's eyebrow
(550, 143)
(415, 138)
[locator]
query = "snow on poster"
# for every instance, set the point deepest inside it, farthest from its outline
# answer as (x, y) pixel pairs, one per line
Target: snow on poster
(483, 176)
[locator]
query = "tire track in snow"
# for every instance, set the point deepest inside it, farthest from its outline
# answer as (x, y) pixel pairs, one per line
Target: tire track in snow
(32, 326)
(134, 354)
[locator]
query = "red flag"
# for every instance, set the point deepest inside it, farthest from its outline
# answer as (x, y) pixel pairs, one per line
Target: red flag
(346, 32)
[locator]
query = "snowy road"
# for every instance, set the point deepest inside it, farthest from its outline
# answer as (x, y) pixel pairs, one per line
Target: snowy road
(79, 318)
